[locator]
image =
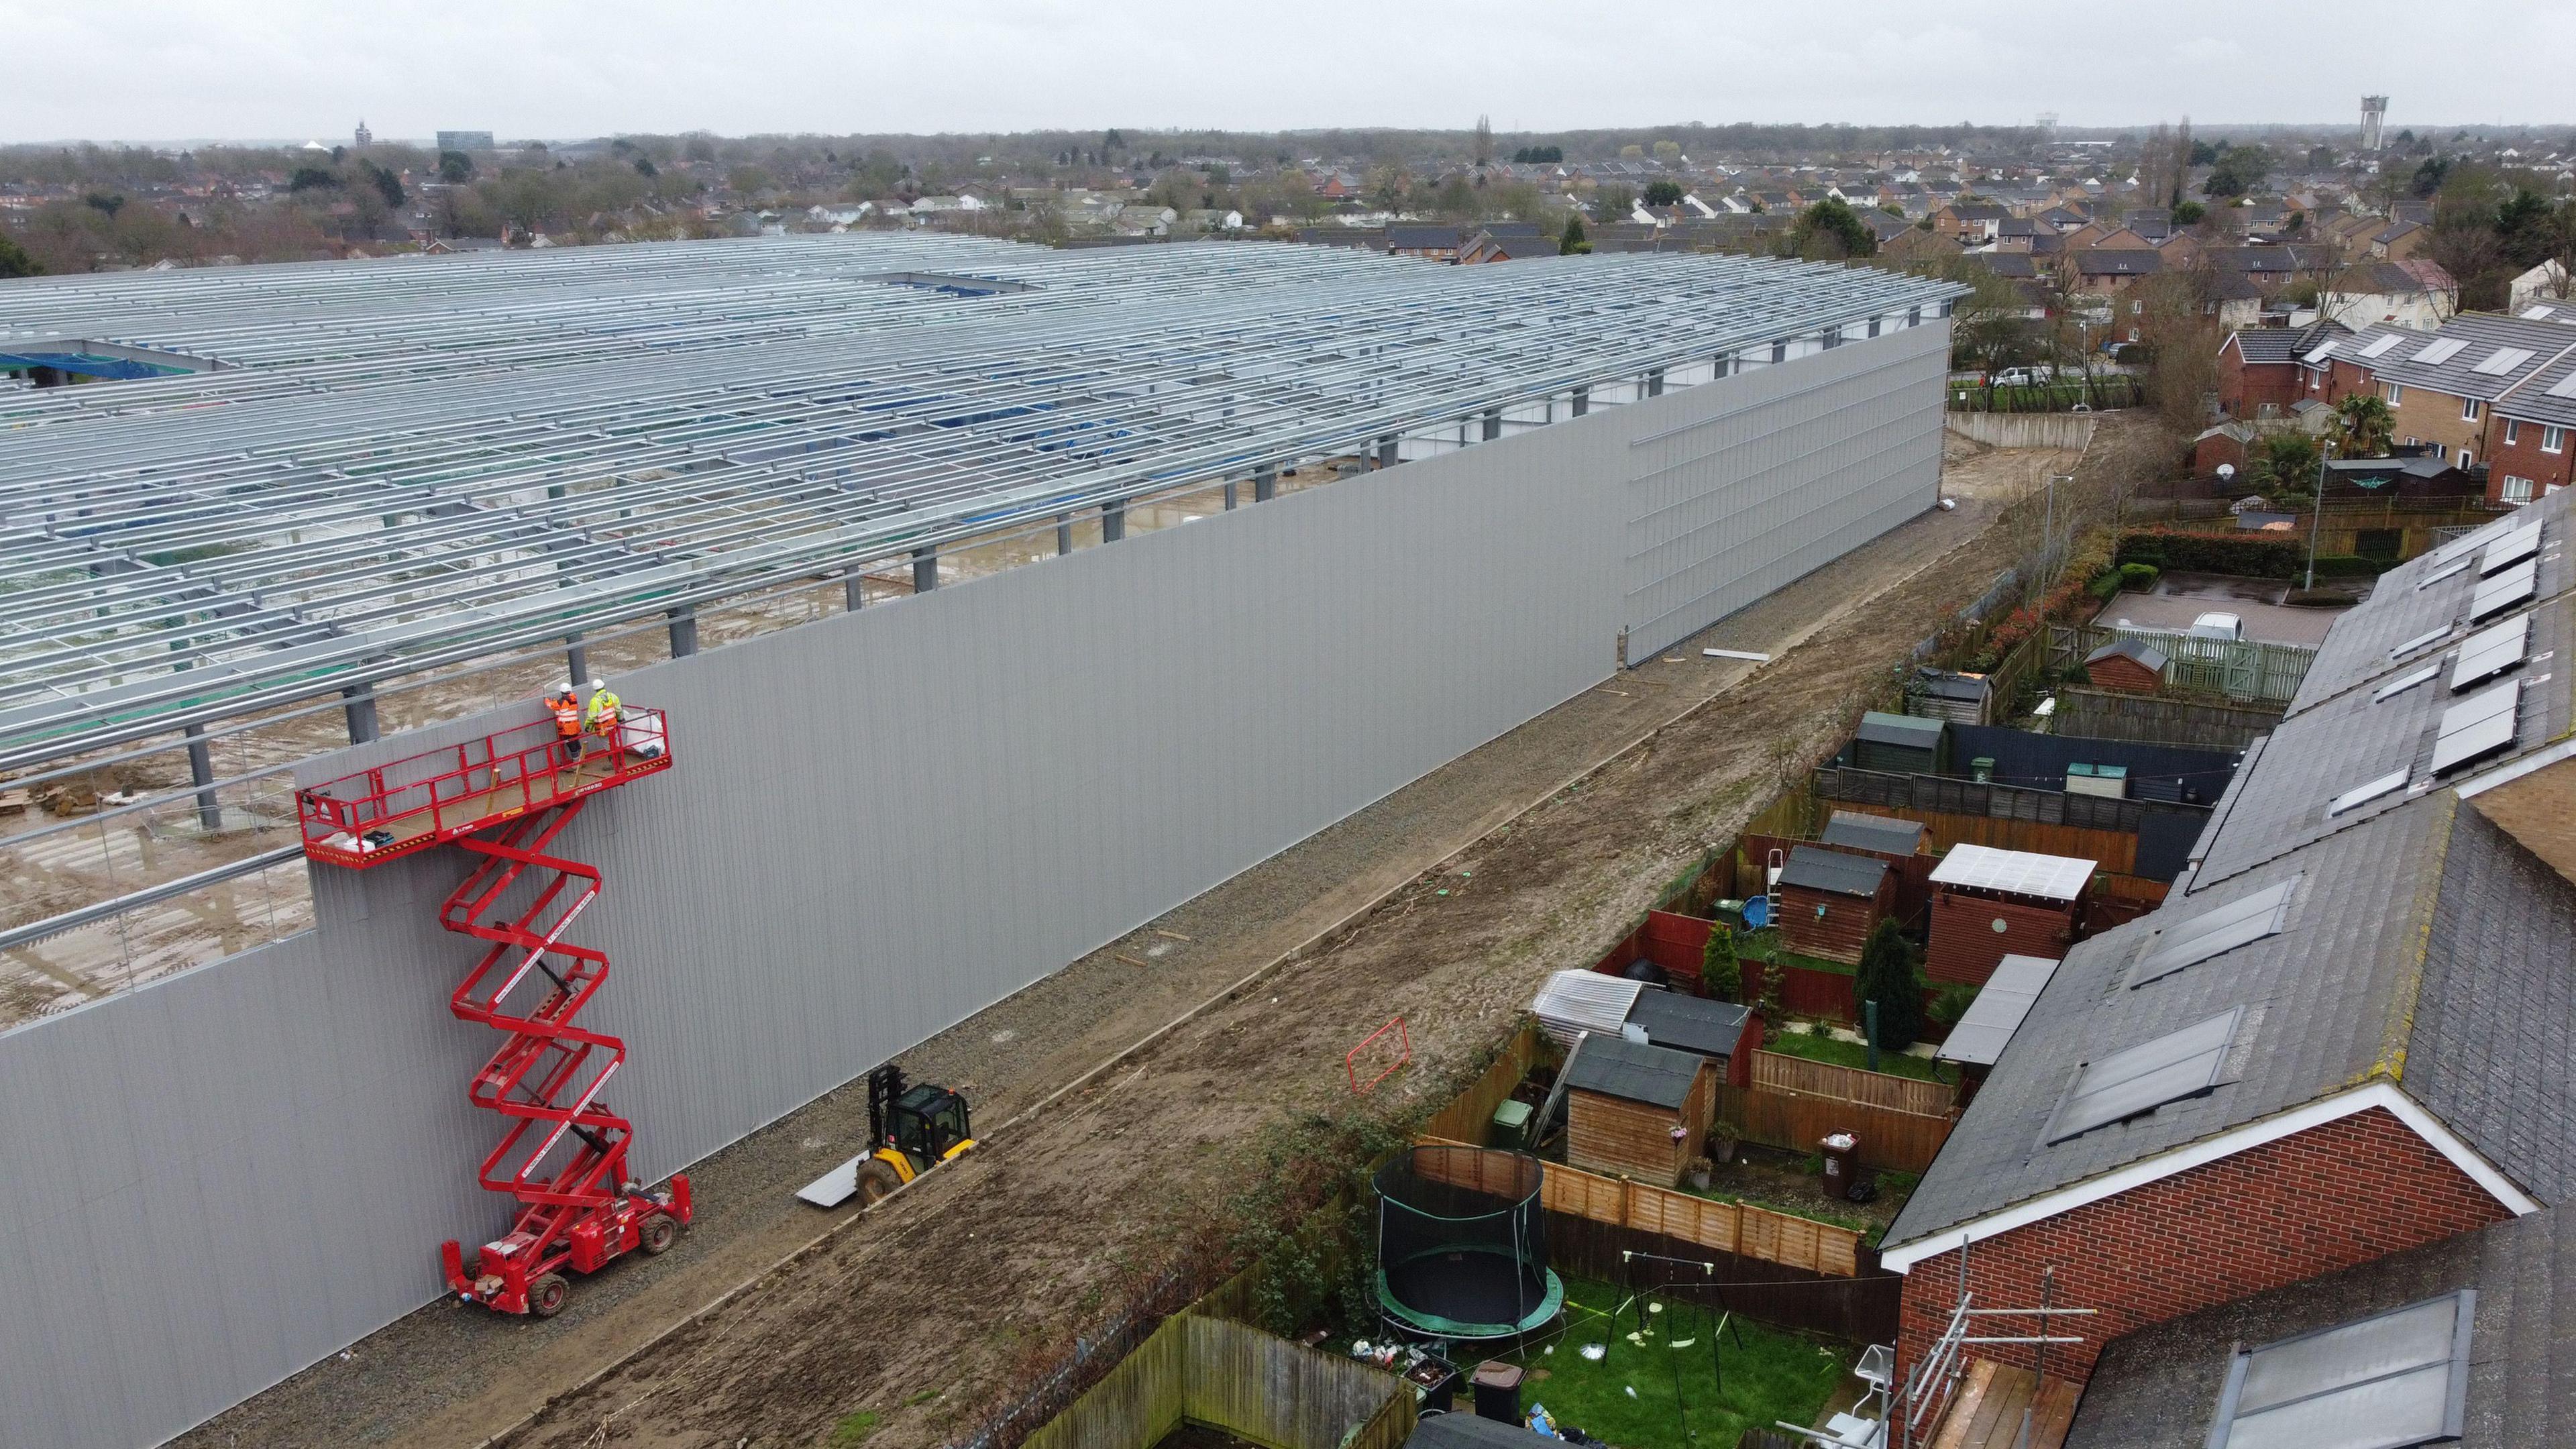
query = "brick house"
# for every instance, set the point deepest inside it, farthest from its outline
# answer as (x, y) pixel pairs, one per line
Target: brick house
(2262, 371)
(2531, 444)
(2443, 391)
(2339, 1038)
(2496, 1294)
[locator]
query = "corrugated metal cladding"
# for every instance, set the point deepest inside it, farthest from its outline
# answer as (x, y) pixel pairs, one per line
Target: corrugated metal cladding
(877, 825)
(1810, 459)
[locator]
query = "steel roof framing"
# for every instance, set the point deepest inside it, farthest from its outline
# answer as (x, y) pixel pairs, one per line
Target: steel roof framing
(405, 464)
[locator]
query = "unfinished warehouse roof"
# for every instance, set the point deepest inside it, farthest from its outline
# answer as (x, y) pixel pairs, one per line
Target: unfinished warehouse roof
(406, 463)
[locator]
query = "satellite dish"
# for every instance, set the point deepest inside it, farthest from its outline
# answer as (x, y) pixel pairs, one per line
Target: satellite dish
(2226, 472)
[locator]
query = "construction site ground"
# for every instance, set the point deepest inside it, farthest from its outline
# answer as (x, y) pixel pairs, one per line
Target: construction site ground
(1446, 902)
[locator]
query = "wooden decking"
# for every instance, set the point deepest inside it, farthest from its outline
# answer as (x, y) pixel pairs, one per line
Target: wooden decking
(1987, 1411)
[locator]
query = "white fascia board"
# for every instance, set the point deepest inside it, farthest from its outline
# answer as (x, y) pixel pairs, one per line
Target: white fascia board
(2226, 1144)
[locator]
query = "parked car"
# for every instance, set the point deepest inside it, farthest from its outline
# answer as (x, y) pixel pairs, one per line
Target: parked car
(2025, 376)
(2228, 627)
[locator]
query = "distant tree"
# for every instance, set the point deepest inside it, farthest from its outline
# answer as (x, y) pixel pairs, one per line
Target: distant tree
(2429, 176)
(1538, 155)
(311, 178)
(105, 204)
(455, 167)
(2189, 213)
(1663, 193)
(2203, 153)
(1887, 976)
(1457, 198)
(700, 148)
(1573, 242)
(2238, 170)
(339, 154)
(1632, 153)
(1720, 973)
(1615, 202)
(387, 181)
(1830, 229)
(14, 261)
(1484, 141)
(1668, 151)
(1112, 141)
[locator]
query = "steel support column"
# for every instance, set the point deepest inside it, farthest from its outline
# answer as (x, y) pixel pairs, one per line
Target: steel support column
(1063, 534)
(361, 712)
(201, 773)
(684, 631)
(925, 569)
(1582, 401)
(1265, 484)
(1386, 454)
(1493, 424)
(1229, 495)
(1654, 382)
(1113, 520)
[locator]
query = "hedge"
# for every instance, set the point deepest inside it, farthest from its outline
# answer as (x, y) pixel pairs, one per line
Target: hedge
(2214, 553)
(2349, 566)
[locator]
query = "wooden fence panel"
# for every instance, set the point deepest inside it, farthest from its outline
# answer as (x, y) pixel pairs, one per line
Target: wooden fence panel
(1903, 1141)
(1273, 1392)
(2236, 668)
(1858, 1305)
(1139, 1402)
(2005, 817)
(1727, 1227)
(1779, 1072)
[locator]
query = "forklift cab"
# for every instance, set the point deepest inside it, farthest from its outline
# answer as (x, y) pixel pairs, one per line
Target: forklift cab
(926, 1122)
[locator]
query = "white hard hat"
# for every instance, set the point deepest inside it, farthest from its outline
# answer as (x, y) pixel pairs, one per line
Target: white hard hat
(564, 688)
(599, 684)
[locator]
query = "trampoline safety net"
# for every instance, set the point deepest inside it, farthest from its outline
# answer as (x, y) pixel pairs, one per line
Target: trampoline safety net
(1462, 1243)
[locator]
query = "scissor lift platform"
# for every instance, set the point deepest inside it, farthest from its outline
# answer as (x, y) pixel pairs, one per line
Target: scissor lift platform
(503, 798)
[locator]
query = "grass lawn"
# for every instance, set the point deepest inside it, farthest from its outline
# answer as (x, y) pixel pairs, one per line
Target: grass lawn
(1771, 1375)
(1818, 1047)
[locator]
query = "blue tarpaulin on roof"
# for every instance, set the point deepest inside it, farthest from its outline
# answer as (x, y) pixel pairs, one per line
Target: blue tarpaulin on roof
(86, 364)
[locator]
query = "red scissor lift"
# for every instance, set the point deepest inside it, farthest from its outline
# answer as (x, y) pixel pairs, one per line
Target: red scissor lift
(504, 798)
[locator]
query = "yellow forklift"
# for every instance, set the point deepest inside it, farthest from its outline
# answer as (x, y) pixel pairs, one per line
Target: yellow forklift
(910, 1131)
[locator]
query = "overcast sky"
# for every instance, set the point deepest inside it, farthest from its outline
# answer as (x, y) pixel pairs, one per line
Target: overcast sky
(299, 69)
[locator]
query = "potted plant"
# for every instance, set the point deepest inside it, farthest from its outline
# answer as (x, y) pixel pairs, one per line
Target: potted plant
(1721, 1143)
(1697, 1171)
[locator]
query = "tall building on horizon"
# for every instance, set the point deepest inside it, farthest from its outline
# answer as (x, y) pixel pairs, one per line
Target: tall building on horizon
(365, 137)
(2374, 109)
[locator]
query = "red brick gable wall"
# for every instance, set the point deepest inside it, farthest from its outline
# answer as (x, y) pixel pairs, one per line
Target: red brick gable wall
(2522, 458)
(2347, 1192)
(2243, 388)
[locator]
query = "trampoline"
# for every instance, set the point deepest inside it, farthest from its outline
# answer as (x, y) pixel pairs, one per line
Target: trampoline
(1462, 1244)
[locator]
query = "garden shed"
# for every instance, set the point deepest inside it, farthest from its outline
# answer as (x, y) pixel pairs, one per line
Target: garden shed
(1635, 1109)
(1946, 694)
(1827, 901)
(2128, 666)
(1877, 834)
(1988, 904)
(1694, 1024)
(1899, 744)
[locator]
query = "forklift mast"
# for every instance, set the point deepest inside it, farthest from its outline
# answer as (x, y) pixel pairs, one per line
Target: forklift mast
(885, 1086)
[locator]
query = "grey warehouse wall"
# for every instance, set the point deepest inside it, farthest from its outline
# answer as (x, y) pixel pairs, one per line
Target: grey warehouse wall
(876, 825)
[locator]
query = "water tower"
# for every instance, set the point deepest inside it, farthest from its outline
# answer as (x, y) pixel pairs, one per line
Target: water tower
(2374, 109)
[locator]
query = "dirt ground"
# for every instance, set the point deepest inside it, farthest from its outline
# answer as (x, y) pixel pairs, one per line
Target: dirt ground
(1446, 902)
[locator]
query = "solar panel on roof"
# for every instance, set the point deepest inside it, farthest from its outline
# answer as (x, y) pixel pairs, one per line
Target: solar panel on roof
(2491, 652)
(2503, 360)
(2396, 687)
(2442, 349)
(2564, 387)
(2476, 727)
(2449, 570)
(2319, 354)
(2504, 591)
(2381, 346)
(2171, 1068)
(2389, 1381)
(2513, 548)
(2363, 794)
(2218, 930)
(2430, 636)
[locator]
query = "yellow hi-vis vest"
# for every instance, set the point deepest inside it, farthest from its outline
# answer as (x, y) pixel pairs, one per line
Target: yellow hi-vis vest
(603, 711)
